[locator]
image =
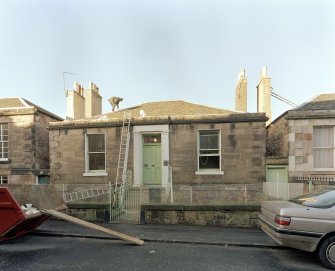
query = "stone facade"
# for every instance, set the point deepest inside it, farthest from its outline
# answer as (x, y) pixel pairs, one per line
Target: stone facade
(242, 153)
(28, 144)
(242, 149)
(301, 147)
(67, 155)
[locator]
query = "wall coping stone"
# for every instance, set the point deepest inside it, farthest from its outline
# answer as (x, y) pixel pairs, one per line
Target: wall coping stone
(87, 205)
(200, 207)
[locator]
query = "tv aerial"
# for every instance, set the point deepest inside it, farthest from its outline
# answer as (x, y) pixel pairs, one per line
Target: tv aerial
(65, 73)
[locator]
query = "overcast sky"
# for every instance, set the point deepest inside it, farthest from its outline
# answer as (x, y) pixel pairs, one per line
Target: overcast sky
(154, 50)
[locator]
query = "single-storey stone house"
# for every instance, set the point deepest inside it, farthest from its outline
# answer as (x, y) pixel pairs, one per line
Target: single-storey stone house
(190, 143)
(24, 142)
(301, 142)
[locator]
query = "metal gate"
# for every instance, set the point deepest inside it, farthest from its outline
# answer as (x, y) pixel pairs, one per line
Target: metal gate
(125, 204)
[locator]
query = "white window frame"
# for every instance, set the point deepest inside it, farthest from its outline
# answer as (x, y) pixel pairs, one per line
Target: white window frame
(3, 178)
(216, 171)
(3, 142)
(89, 172)
(332, 148)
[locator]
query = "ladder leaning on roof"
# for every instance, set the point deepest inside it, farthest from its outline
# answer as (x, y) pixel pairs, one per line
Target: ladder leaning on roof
(117, 205)
(121, 172)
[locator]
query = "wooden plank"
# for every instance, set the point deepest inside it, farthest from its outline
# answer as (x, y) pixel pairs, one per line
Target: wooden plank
(93, 226)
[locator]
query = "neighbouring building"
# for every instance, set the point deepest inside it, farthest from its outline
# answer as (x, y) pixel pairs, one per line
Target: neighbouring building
(198, 145)
(24, 142)
(301, 142)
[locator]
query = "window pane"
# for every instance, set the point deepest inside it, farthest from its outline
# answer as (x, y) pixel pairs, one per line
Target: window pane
(209, 149)
(323, 136)
(323, 143)
(209, 140)
(96, 143)
(43, 179)
(209, 162)
(3, 140)
(152, 139)
(323, 158)
(3, 179)
(96, 161)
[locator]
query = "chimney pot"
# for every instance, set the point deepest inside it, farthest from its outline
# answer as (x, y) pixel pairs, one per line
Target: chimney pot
(241, 75)
(76, 86)
(264, 73)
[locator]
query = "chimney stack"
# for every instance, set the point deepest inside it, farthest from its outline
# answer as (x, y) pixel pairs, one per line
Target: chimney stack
(241, 92)
(93, 101)
(264, 94)
(83, 103)
(75, 102)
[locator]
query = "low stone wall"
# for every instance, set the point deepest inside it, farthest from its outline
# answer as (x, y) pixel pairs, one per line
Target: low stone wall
(212, 215)
(89, 212)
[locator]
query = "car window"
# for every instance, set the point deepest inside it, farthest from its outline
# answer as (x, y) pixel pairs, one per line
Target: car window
(324, 198)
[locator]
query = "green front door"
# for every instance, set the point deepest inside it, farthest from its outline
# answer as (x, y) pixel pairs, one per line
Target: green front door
(152, 160)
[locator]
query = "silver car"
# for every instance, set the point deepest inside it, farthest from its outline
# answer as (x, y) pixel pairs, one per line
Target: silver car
(306, 222)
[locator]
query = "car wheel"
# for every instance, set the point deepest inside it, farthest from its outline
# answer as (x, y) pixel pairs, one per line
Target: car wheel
(327, 252)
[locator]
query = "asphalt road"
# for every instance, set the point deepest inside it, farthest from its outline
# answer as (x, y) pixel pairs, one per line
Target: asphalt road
(34, 253)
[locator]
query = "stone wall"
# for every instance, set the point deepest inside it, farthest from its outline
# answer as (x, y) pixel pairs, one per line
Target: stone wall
(301, 146)
(242, 153)
(277, 138)
(21, 155)
(21, 133)
(89, 212)
(209, 215)
(28, 146)
(67, 155)
(40, 141)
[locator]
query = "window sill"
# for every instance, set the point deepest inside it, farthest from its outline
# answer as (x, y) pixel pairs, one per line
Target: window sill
(209, 172)
(4, 161)
(95, 174)
(322, 169)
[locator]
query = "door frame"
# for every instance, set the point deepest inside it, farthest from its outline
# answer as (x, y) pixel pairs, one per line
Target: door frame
(138, 132)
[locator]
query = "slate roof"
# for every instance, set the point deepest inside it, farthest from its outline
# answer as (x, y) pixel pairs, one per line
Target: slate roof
(321, 106)
(168, 108)
(321, 102)
(163, 112)
(8, 104)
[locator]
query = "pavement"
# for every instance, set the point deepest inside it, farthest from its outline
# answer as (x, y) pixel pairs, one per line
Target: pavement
(209, 235)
